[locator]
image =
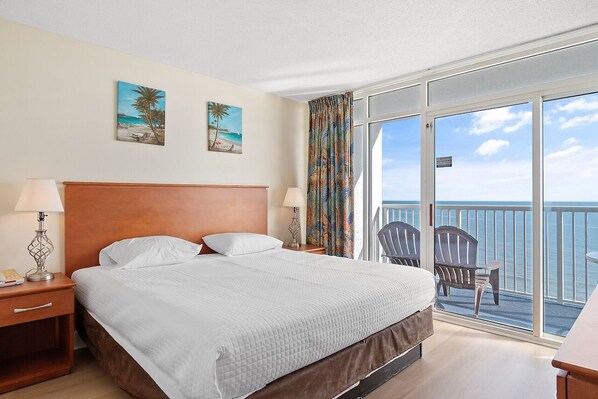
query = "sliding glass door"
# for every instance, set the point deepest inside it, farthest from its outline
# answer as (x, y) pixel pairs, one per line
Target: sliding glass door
(483, 191)
(483, 181)
(570, 208)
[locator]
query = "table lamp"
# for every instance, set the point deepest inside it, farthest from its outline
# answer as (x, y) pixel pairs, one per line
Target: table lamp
(41, 196)
(294, 199)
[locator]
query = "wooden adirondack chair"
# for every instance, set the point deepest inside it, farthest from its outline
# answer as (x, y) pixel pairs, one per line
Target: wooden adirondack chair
(400, 242)
(455, 263)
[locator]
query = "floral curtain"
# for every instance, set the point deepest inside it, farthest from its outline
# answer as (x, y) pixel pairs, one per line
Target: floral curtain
(330, 174)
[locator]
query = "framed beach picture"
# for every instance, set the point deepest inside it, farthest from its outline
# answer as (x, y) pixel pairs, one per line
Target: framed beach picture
(225, 130)
(141, 114)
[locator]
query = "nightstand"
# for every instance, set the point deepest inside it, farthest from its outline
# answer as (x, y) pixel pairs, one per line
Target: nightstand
(314, 249)
(37, 328)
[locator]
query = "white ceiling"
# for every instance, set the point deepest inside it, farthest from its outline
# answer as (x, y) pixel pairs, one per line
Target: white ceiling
(303, 49)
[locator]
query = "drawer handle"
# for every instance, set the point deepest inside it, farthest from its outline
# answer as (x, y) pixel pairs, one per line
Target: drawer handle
(47, 305)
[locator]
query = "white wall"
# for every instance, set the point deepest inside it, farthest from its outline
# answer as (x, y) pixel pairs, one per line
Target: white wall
(57, 120)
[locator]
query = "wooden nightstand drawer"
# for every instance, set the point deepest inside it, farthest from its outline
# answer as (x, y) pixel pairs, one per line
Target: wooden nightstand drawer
(312, 249)
(318, 251)
(23, 309)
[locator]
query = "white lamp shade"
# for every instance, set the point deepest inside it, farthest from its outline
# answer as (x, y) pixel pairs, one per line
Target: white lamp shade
(294, 198)
(39, 195)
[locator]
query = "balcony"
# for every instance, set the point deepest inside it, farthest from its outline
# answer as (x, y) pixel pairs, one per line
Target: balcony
(504, 232)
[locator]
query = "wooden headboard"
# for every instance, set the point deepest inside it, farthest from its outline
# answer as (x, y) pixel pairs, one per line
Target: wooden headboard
(97, 214)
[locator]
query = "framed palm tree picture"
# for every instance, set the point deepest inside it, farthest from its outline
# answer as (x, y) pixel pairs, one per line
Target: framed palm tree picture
(225, 128)
(141, 114)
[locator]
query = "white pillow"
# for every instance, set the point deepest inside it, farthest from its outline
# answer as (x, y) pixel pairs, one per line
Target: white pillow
(139, 252)
(232, 244)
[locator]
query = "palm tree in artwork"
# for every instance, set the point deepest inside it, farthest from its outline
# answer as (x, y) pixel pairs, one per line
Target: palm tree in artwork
(159, 117)
(218, 111)
(146, 104)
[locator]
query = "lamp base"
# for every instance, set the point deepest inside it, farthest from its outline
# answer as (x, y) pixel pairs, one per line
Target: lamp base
(294, 245)
(40, 275)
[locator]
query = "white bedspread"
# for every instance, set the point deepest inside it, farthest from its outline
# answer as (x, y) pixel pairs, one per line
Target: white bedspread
(223, 327)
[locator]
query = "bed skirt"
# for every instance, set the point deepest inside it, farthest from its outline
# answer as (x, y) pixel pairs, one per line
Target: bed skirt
(323, 379)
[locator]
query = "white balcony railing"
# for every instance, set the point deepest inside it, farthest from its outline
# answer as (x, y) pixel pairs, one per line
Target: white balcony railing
(504, 232)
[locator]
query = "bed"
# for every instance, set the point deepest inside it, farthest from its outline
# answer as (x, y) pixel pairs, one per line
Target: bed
(320, 350)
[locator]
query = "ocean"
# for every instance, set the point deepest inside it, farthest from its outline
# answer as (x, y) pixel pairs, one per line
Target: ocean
(130, 120)
(578, 231)
(234, 138)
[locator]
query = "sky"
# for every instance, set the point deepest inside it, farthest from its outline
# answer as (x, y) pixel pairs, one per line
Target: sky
(126, 97)
(492, 153)
(232, 122)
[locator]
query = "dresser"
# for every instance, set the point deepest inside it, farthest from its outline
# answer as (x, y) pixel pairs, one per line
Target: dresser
(577, 358)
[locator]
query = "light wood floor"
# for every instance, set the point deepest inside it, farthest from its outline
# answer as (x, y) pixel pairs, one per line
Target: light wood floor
(458, 363)
(461, 363)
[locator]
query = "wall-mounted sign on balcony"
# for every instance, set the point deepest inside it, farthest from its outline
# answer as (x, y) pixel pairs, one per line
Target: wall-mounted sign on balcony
(444, 162)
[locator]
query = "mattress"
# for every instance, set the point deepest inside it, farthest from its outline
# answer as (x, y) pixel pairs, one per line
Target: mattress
(224, 327)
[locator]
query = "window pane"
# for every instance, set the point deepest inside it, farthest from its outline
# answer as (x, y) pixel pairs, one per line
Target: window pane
(358, 112)
(395, 155)
(549, 67)
(486, 191)
(358, 191)
(395, 101)
(570, 208)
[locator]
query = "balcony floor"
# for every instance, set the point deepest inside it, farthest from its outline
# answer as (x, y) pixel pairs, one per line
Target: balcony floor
(514, 310)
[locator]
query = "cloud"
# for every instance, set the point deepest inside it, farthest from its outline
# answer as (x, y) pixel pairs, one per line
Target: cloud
(491, 147)
(571, 178)
(386, 161)
(561, 154)
(579, 105)
(578, 121)
(570, 141)
(549, 116)
(401, 183)
(387, 136)
(485, 181)
(525, 119)
(493, 119)
(488, 121)
(572, 147)
(568, 179)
